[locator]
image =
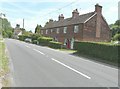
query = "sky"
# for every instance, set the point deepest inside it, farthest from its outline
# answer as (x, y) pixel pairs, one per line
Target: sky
(40, 11)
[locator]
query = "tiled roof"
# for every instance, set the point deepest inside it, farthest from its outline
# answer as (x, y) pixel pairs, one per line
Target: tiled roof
(80, 19)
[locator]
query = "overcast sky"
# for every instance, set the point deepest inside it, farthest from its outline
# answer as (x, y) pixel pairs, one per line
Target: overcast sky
(40, 11)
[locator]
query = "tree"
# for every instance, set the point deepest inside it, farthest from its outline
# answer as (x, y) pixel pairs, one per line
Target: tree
(116, 37)
(117, 23)
(115, 28)
(7, 30)
(37, 29)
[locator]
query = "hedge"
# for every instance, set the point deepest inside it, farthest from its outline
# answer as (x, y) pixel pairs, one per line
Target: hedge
(101, 51)
(34, 41)
(44, 40)
(55, 45)
(23, 37)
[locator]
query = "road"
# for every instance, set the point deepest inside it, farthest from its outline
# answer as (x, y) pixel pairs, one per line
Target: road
(38, 66)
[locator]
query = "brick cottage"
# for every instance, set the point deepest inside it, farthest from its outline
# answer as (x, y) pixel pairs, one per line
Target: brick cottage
(86, 27)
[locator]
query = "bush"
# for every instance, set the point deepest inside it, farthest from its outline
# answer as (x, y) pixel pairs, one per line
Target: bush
(35, 36)
(34, 41)
(23, 37)
(102, 51)
(56, 45)
(116, 37)
(44, 40)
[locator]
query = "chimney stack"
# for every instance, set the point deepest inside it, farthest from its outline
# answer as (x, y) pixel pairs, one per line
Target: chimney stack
(61, 17)
(75, 13)
(98, 8)
(50, 20)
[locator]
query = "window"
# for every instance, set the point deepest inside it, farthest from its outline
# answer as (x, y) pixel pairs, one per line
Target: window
(41, 31)
(65, 30)
(46, 31)
(57, 30)
(51, 30)
(76, 29)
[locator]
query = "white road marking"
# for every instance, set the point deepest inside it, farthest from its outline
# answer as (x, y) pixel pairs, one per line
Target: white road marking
(71, 68)
(27, 46)
(39, 51)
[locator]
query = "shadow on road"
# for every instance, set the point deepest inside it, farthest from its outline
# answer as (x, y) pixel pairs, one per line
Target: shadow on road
(97, 60)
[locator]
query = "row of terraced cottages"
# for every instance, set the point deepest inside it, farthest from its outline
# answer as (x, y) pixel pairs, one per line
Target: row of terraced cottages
(85, 27)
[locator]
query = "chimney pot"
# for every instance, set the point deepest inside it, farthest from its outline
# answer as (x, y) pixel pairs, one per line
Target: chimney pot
(75, 13)
(61, 17)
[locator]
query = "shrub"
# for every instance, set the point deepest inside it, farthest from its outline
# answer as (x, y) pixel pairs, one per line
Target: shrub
(44, 40)
(56, 45)
(35, 36)
(23, 37)
(34, 41)
(102, 51)
(116, 37)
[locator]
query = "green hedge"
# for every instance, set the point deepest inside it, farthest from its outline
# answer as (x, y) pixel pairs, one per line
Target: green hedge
(44, 40)
(55, 45)
(23, 37)
(102, 51)
(34, 41)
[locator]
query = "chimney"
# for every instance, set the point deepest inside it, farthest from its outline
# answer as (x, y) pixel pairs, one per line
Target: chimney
(50, 20)
(98, 10)
(61, 17)
(75, 13)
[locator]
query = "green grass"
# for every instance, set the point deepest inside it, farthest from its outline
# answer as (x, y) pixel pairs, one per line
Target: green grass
(4, 68)
(68, 50)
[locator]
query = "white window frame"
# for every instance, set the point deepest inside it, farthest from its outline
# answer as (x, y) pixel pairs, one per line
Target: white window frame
(51, 30)
(41, 31)
(65, 30)
(76, 29)
(57, 30)
(46, 31)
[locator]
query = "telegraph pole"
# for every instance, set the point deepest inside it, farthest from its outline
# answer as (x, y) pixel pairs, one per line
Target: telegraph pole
(23, 23)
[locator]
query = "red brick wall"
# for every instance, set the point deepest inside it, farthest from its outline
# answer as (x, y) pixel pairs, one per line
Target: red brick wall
(62, 36)
(89, 32)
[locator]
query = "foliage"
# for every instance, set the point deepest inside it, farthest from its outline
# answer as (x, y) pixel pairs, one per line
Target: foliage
(101, 51)
(35, 36)
(116, 37)
(44, 40)
(34, 41)
(7, 30)
(37, 29)
(23, 37)
(4, 60)
(56, 45)
(115, 28)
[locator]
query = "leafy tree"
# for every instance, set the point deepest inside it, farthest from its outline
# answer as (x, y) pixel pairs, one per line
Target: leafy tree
(7, 30)
(116, 37)
(37, 29)
(117, 23)
(115, 28)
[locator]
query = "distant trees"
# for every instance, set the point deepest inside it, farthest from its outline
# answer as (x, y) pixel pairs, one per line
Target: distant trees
(38, 28)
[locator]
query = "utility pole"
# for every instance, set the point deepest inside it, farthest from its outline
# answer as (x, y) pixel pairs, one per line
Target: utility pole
(23, 23)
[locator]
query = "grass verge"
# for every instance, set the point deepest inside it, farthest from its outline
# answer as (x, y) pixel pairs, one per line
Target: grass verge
(4, 66)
